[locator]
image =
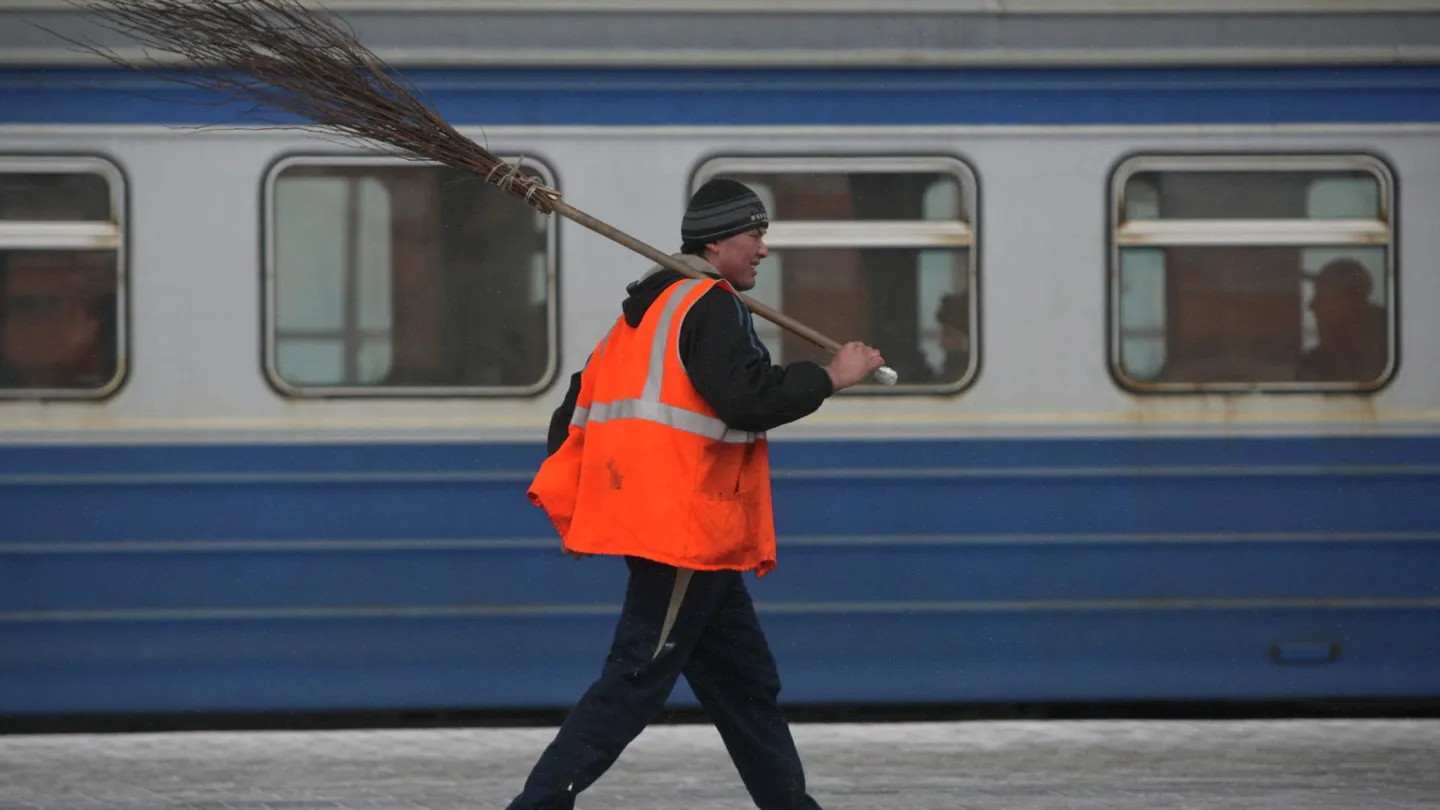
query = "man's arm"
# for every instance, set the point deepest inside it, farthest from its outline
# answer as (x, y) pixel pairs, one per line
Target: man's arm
(560, 420)
(729, 369)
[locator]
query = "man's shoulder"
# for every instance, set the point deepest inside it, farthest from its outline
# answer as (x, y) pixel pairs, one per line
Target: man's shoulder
(724, 320)
(717, 307)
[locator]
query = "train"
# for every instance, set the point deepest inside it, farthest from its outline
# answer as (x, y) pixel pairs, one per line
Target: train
(1155, 278)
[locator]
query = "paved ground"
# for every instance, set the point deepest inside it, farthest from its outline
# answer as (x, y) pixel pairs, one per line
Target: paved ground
(1046, 765)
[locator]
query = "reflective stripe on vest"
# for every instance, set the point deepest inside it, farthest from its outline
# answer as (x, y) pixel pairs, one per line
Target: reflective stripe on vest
(648, 407)
(662, 414)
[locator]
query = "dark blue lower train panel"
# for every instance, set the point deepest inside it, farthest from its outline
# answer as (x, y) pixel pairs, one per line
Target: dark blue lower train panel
(312, 578)
(370, 663)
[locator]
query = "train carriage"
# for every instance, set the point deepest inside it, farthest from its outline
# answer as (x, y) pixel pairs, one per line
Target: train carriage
(1168, 418)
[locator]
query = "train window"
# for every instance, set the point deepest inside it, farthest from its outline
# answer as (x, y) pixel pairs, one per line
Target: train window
(61, 278)
(1252, 273)
(389, 277)
(873, 249)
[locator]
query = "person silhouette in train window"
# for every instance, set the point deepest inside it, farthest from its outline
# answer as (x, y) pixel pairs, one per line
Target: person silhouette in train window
(1352, 331)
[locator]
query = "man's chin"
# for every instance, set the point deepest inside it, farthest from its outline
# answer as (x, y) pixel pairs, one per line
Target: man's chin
(741, 284)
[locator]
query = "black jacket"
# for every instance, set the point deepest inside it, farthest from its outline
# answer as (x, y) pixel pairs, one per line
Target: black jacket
(726, 362)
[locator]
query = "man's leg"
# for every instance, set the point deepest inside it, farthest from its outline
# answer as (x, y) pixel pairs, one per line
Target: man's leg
(733, 674)
(664, 613)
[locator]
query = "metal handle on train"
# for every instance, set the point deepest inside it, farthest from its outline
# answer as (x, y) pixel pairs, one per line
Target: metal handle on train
(884, 375)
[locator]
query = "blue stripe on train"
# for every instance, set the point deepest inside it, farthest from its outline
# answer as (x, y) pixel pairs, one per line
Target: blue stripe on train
(521, 458)
(760, 96)
(283, 492)
(875, 570)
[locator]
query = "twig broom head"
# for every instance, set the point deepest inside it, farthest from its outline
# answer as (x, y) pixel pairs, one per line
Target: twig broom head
(278, 54)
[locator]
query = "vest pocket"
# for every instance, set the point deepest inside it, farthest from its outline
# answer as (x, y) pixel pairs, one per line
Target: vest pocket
(723, 527)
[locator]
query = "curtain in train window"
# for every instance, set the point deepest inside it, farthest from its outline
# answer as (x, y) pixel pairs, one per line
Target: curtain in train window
(1256, 273)
(877, 250)
(61, 278)
(391, 279)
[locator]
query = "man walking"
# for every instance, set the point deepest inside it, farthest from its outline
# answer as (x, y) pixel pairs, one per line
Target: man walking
(658, 454)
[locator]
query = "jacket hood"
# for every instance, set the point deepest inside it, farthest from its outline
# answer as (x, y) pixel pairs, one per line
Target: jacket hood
(643, 291)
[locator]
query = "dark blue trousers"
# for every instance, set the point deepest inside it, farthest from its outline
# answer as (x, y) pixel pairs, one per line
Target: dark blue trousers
(701, 624)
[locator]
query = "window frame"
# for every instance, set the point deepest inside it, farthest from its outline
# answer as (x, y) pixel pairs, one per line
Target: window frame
(873, 234)
(1162, 233)
(270, 343)
(78, 235)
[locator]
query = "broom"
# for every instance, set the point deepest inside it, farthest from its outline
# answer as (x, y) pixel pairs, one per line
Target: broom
(281, 56)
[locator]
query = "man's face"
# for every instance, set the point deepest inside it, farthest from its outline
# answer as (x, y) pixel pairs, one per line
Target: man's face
(736, 257)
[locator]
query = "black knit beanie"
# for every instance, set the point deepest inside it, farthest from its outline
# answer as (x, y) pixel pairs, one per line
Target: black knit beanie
(720, 208)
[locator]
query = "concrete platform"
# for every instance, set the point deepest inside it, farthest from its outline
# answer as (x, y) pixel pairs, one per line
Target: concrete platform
(1042, 765)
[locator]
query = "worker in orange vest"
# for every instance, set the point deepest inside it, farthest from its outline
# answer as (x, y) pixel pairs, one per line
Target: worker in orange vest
(658, 454)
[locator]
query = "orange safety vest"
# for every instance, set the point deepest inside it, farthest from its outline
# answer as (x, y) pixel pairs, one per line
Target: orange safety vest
(648, 469)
